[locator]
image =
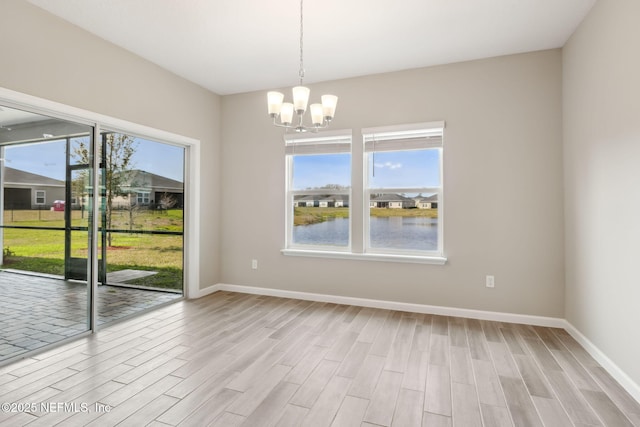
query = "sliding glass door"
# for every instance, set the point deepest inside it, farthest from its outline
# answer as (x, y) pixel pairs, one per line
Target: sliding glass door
(70, 262)
(142, 239)
(44, 292)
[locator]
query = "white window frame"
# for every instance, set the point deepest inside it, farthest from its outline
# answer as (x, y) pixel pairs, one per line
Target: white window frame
(413, 136)
(43, 197)
(419, 136)
(34, 104)
(332, 142)
(141, 196)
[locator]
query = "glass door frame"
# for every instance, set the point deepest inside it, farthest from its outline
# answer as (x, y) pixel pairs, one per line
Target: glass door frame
(191, 270)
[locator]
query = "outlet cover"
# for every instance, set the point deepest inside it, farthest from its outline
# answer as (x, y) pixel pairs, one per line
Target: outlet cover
(490, 282)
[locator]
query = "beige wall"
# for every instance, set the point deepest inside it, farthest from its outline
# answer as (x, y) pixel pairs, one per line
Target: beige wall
(601, 64)
(503, 187)
(504, 167)
(49, 58)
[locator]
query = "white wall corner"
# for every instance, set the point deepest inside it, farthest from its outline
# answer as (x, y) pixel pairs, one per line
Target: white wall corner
(614, 370)
(199, 293)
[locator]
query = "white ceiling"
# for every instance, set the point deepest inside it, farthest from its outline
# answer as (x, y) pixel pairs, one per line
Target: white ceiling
(234, 46)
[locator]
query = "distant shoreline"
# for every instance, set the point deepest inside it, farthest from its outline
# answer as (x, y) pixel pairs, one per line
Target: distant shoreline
(309, 215)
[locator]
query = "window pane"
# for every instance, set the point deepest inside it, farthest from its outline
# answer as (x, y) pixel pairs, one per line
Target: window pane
(405, 169)
(332, 171)
(40, 197)
(39, 235)
(403, 222)
(142, 216)
(321, 220)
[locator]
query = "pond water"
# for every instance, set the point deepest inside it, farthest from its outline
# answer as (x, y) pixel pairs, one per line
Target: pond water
(413, 233)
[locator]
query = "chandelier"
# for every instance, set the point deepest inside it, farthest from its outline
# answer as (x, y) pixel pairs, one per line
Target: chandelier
(321, 114)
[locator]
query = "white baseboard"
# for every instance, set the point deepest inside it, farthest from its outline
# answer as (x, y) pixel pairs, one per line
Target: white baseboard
(614, 370)
(395, 305)
(203, 292)
(618, 374)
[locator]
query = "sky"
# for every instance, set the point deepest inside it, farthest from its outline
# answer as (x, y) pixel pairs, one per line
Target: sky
(416, 168)
(48, 159)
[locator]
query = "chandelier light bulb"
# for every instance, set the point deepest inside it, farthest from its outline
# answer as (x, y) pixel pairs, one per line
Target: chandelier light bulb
(274, 101)
(286, 114)
(300, 99)
(316, 114)
(329, 103)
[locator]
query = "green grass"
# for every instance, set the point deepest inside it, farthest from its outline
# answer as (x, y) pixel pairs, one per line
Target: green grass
(170, 220)
(40, 265)
(166, 278)
(388, 212)
(306, 216)
(43, 250)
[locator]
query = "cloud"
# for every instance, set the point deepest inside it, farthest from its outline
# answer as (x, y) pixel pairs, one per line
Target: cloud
(388, 165)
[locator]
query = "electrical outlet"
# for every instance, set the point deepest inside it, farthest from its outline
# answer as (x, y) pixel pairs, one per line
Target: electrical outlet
(254, 264)
(490, 282)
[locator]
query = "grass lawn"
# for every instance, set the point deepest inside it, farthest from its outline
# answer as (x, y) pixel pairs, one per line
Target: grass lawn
(306, 216)
(43, 250)
(387, 212)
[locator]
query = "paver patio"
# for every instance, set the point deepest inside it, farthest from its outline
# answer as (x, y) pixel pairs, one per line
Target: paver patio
(36, 311)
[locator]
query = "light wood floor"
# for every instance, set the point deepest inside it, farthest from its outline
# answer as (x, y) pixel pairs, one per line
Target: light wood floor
(232, 359)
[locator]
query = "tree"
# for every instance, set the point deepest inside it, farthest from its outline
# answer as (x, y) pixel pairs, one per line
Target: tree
(117, 158)
(167, 201)
(330, 187)
(133, 208)
(78, 190)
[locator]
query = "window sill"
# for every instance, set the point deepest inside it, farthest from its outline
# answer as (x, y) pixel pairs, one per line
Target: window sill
(416, 259)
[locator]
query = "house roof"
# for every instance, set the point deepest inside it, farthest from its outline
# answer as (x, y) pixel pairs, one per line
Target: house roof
(138, 178)
(343, 197)
(321, 197)
(392, 197)
(141, 178)
(427, 199)
(17, 176)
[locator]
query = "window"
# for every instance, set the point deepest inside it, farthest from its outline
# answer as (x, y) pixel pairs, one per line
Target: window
(319, 191)
(403, 189)
(40, 197)
(143, 198)
(401, 194)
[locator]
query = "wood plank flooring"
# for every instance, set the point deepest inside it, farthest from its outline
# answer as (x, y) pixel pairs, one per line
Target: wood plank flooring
(234, 359)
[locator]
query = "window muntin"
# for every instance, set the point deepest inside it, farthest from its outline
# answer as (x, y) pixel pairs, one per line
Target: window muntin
(402, 194)
(403, 190)
(319, 192)
(40, 197)
(143, 197)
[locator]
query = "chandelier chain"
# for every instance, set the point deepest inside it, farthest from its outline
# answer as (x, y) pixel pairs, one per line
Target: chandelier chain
(291, 114)
(301, 72)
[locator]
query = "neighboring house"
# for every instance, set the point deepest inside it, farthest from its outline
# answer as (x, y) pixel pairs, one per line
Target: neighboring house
(26, 190)
(430, 202)
(391, 201)
(149, 190)
(335, 201)
(307, 201)
(322, 201)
